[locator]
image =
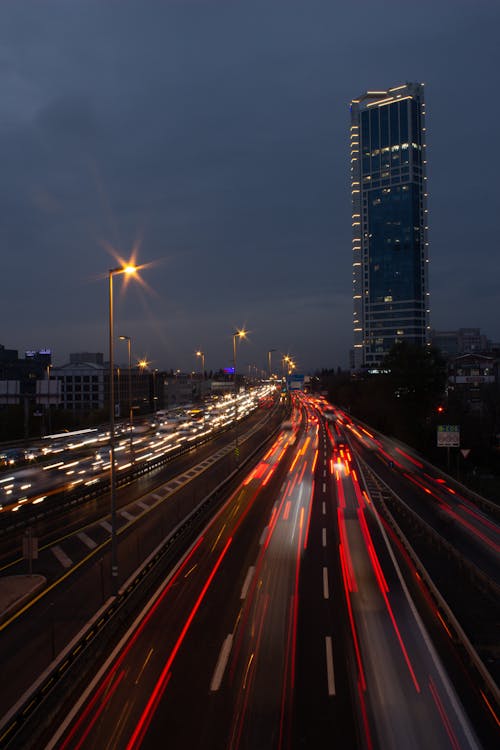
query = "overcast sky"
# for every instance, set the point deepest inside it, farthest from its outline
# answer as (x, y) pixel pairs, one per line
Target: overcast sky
(212, 136)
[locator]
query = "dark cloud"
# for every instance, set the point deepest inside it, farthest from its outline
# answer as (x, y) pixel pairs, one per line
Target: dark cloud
(214, 134)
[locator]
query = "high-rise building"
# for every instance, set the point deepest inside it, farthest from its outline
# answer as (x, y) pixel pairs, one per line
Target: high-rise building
(389, 222)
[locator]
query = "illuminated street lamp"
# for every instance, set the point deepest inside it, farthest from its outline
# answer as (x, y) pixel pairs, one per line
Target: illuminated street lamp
(128, 270)
(130, 410)
(202, 355)
(237, 335)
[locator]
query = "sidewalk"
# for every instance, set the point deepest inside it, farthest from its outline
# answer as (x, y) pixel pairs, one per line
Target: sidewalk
(16, 591)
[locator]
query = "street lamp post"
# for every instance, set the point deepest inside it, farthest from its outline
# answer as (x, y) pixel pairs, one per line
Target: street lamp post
(114, 557)
(269, 362)
(202, 355)
(241, 335)
(130, 411)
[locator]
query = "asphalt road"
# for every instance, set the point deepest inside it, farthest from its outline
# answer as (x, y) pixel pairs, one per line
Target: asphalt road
(286, 625)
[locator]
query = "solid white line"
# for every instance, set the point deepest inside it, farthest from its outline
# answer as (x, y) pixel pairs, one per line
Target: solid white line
(324, 486)
(323, 537)
(107, 526)
(263, 536)
(324, 508)
(326, 594)
(221, 663)
(127, 516)
(61, 556)
(244, 590)
(82, 536)
(329, 666)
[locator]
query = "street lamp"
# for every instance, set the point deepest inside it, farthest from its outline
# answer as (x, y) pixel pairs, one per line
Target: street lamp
(237, 335)
(202, 355)
(128, 270)
(269, 362)
(130, 411)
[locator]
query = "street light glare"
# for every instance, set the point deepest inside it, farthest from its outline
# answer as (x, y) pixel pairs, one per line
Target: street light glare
(129, 269)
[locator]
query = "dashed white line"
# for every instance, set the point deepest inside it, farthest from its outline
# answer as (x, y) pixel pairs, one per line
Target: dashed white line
(127, 516)
(221, 663)
(88, 542)
(107, 526)
(323, 537)
(263, 536)
(324, 473)
(326, 594)
(324, 486)
(244, 590)
(61, 556)
(323, 508)
(329, 666)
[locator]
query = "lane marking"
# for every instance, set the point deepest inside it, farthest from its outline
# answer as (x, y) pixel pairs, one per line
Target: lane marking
(127, 516)
(323, 507)
(157, 497)
(142, 505)
(324, 473)
(330, 675)
(263, 536)
(107, 526)
(323, 537)
(244, 590)
(287, 510)
(61, 556)
(221, 664)
(326, 594)
(324, 486)
(82, 536)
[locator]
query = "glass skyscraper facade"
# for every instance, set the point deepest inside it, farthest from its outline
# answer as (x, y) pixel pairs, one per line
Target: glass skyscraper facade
(389, 222)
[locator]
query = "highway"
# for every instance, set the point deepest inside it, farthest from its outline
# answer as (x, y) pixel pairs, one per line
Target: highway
(74, 550)
(287, 624)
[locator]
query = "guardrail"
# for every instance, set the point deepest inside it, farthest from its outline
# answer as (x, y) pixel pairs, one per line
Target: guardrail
(491, 691)
(33, 713)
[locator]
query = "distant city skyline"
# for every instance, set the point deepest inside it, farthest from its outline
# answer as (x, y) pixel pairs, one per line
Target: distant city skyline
(210, 137)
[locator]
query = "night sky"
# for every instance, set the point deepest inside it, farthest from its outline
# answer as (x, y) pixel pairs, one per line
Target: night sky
(213, 138)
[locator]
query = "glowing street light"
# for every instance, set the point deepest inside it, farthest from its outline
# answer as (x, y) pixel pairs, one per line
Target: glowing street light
(128, 270)
(202, 355)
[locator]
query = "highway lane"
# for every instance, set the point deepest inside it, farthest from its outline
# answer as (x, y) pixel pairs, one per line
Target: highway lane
(29, 643)
(83, 459)
(405, 697)
(175, 650)
(435, 497)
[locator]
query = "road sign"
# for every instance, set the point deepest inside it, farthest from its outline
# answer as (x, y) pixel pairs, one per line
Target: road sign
(296, 382)
(465, 452)
(448, 436)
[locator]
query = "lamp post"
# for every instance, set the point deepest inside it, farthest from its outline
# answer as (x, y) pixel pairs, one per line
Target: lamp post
(130, 411)
(241, 335)
(114, 557)
(202, 355)
(269, 362)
